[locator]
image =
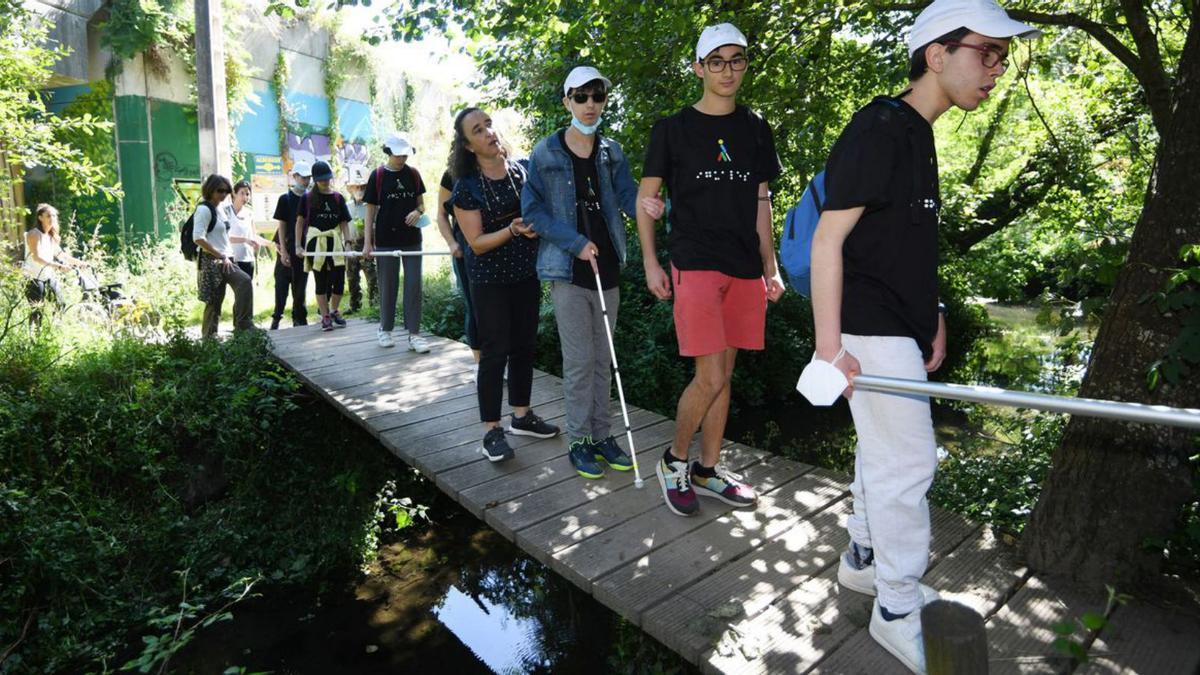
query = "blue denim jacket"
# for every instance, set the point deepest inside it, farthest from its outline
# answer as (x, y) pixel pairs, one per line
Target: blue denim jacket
(548, 203)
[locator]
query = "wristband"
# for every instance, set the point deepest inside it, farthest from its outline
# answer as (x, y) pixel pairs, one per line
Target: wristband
(510, 230)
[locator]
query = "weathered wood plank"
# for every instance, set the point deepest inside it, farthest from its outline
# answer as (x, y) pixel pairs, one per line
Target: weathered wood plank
(809, 623)
(749, 585)
(981, 573)
(1021, 634)
(1141, 638)
(608, 510)
(587, 561)
(642, 583)
(457, 399)
(551, 467)
(541, 396)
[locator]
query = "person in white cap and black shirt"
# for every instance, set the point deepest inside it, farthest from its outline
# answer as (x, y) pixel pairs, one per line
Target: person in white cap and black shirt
(395, 203)
(579, 184)
(289, 278)
(875, 300)
(716, 158)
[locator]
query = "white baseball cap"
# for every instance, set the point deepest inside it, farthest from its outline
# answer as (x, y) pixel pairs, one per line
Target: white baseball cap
(715, 37)
(304, 169)
(581, 75)
(978, 16)
(399, 145)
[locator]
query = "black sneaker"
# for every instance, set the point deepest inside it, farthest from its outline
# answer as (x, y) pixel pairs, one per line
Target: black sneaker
(274, 323)
(495, 446)
(532, 425)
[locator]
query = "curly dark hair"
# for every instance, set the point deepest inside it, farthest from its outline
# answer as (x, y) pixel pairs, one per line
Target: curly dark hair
(461, 161)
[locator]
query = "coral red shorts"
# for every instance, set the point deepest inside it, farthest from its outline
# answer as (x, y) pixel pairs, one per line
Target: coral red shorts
(714, 311)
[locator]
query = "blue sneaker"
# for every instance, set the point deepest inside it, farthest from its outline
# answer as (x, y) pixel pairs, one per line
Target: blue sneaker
(581, 454)
(610, 453)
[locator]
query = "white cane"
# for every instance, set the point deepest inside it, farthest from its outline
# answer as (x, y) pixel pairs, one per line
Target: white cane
(612, 351)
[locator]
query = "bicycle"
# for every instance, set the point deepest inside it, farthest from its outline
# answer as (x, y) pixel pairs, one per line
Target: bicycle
(107, 306)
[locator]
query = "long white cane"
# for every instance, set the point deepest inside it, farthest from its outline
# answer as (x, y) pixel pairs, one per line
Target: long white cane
(612, 351)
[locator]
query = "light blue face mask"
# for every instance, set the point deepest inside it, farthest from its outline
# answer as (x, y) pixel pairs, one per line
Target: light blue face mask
(586, 129)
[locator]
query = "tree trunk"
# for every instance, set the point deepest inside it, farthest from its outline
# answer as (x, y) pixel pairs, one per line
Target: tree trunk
(1113, 486)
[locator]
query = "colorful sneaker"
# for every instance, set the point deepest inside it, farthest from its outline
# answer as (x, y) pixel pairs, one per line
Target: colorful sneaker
(495, 446)
(676, 488)
(901, 637)
(338, 321)
(326, 323)
(418, 344)
(725, 485)
(610, 453)
(583, 457)
(384, 338)
(532, 425)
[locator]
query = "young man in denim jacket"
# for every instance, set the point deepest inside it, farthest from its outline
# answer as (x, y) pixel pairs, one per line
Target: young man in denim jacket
(579, 185)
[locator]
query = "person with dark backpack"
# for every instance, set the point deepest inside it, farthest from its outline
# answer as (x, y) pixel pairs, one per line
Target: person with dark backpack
(875, 303)
(216, 268)
(322, 223)
(290, 279)
(395, 208)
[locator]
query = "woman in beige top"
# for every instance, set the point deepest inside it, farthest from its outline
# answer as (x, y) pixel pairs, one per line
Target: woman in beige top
(44, 257)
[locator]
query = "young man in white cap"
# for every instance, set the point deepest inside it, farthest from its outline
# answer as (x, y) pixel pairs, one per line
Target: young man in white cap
(356, 185)
(395, 203)
(578, 186)
(290, 278)
(875, 300)
(716, 158)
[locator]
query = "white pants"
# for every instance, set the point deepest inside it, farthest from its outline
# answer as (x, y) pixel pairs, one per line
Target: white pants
(894, 465)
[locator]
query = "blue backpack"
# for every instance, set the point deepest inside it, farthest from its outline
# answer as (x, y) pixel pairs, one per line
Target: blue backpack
(795, 250)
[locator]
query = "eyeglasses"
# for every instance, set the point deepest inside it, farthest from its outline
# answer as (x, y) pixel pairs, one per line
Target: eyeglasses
(221, 191)
(737, 64)
(581, 97)
(991, 56)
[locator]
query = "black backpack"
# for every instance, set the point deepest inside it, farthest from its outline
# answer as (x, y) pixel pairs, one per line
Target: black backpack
(187, 245)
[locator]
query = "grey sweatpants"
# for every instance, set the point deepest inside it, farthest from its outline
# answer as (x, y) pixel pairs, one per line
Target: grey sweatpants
(388, 273)
(587, 375)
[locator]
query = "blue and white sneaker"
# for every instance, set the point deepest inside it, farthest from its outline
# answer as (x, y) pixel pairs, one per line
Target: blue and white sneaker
(495, 446)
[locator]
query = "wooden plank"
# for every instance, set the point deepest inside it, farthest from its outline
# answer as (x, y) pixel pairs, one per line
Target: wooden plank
(552, 467)
(468, 452)
(365, 401)
(981, 573)
(526, 510)
(810, 622)
(293, 334)
(1141, 638)
(1020, 635)
(642, 583)
(456, 399)
(364, 355)
(540, 396)
(542, 456)
(390, 374)
(312, 337)
(635, 587)
(587, 561)
(749, 585)
(608, 510)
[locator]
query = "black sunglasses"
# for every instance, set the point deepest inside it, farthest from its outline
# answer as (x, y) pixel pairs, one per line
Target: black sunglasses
(581, 97)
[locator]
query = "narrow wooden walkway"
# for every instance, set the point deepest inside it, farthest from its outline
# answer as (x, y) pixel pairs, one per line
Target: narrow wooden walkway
(731, 591)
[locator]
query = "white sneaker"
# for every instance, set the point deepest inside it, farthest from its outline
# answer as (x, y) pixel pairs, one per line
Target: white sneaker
(902, 638)
(385, 338)
(418, 344)
(863, 580)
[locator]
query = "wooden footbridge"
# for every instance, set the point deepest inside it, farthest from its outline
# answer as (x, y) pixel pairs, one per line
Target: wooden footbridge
(732, 591)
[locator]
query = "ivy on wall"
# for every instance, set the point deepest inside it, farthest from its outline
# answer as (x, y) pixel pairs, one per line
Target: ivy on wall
(279, 80)
(346, 58)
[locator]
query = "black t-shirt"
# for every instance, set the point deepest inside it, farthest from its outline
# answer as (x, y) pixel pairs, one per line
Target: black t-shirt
(323, 211)
(589, 220)
(712, 166)
(286, 209)
(396, 194)
(448, 184)
(498, 203)
(885, 161)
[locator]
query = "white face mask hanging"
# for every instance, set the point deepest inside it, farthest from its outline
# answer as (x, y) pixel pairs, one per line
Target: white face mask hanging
(821, 382)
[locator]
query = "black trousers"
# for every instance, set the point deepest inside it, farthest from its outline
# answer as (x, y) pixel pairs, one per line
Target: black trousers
(294, 281)
(508, 323)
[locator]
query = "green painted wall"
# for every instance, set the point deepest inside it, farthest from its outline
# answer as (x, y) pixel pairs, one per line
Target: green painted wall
(159, 151)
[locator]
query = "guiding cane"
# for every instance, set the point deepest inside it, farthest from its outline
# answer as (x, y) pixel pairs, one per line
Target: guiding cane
(612, 351)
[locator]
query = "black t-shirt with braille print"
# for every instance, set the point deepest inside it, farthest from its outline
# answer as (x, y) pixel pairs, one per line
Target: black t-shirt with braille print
(712, 166)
